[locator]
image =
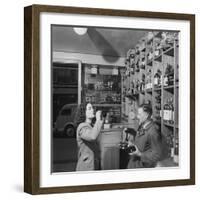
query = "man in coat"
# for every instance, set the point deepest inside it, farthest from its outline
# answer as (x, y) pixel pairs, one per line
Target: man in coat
(146, 140)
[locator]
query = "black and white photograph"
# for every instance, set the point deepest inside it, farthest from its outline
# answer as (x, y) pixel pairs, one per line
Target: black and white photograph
(109, 99)
(114, 98)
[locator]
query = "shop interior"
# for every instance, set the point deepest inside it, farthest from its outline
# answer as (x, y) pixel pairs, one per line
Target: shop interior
(116, 70)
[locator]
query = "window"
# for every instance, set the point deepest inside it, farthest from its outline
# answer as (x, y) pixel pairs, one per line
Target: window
(66, 112)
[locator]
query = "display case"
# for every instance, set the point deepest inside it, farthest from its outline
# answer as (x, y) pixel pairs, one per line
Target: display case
(102, 88)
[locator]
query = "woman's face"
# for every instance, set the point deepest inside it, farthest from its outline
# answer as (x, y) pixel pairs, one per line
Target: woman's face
(89, 111)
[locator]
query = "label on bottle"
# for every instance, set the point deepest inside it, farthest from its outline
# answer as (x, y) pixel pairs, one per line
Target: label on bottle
(176, 158)
(155, 81)
(166, 115)
(172, 152)
(165, 81)
(160, 113)
(172, 115)
(169, 115)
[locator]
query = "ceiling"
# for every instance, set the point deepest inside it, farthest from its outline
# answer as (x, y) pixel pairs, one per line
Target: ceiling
(97, 41)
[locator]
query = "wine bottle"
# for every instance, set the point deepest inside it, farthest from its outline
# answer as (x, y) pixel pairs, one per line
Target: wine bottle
(176, 149)
(157, 77)
(166, 112)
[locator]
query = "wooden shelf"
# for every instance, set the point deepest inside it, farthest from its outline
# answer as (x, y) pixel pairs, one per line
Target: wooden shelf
(149, 90)
(168, 87)
(157, 88)
(169, 51)
(168, 55)
(158, 58)
(107, 105)
(168, 124)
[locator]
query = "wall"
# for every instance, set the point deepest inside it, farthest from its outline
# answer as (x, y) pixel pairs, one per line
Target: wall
(88, 58)
(11, 101)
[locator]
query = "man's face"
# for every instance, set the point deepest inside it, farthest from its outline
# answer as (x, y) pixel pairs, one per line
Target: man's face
(89, 111)
(141, 115)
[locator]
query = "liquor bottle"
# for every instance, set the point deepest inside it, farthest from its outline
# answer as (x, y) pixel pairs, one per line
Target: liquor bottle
(171, 114)
(170, 74)
(157, 111)
(176, 149)
(137, 66)
(157, 77)
(132, 68)
(166, 112)
(137, 49)
(148, 81)
(157, 51)
(150, 56)
(142, 84)
(158, 99)
(142, 63)
(172, 147)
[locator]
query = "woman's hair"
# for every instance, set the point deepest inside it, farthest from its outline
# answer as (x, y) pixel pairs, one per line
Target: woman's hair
(146, 108)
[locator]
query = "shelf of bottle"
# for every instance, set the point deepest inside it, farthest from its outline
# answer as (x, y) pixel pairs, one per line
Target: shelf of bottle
(157, 88)
(107, 105)
(158, 58)
(98, 90)
(148, 90)
(168, 87)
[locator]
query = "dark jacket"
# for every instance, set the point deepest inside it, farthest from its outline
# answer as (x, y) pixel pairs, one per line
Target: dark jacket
(148, 142)
(88, 151)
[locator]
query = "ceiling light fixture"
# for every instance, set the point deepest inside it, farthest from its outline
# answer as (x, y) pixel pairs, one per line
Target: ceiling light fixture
(80, 31)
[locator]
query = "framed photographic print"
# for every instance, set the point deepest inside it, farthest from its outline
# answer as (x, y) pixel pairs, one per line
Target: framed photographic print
(109, 99)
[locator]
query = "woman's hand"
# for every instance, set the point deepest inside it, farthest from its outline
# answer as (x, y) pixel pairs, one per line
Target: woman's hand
(98, 115)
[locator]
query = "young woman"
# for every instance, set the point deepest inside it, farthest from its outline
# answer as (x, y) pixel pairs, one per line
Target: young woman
(88, 148)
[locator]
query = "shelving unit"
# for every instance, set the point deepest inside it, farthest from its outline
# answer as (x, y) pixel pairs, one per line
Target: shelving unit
(152, 76)
(103, 90)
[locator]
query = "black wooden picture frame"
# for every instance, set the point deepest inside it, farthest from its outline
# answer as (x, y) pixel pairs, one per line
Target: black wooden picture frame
(32, 94)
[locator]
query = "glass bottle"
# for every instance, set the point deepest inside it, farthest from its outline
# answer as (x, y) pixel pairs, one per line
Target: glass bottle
(166, 111)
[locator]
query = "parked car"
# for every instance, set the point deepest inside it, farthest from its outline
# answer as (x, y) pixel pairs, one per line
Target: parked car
(69, 116)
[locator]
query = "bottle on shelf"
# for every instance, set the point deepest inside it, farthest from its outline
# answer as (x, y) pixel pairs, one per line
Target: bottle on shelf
(142, 84)
(158, 47)
(177, 75)
(157, 111)
(171, 114)
(169, 76)
(148, 80)
(172, 139)
(166, 111)
(137, 66)
(132, 68)
(176, 149)
(142, 63)
(157, 79)
(150, 55)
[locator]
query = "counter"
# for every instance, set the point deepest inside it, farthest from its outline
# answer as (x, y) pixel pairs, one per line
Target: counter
(109, 146)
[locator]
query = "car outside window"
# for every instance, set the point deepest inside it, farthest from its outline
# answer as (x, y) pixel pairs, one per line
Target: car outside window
(66, 112)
